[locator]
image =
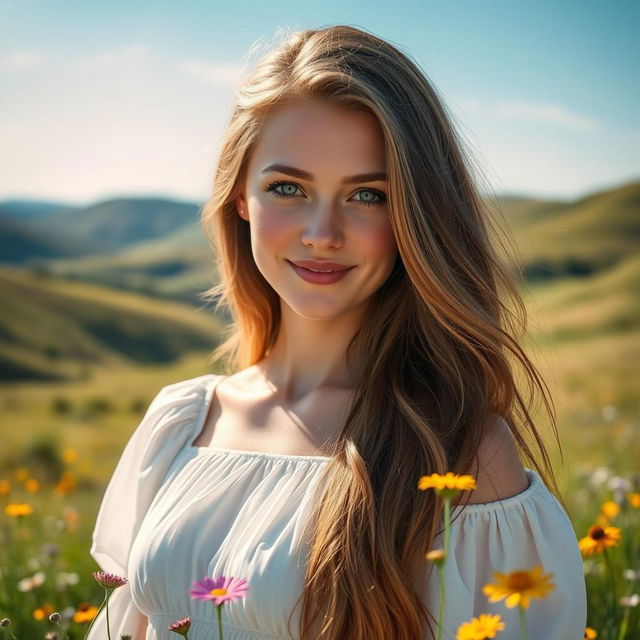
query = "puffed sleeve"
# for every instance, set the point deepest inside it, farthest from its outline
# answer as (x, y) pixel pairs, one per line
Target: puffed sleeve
(166, 427)
(528, 529)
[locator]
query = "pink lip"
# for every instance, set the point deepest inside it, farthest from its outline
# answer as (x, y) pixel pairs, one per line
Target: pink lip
(319, 278)
(321, 265)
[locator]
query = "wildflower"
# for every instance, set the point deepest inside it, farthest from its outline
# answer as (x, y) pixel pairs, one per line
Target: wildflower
(220, 590)
(63, 579)
(5, 622)
(436, 556)
(634, 500)
(610, 509)
(28, 584)
(485, 626)
(69, 456)
(518, 587)
(618, 483)
(44, 611)
(108, 580)
(51, 635)
(630, 574)
(17, 509)
(598, 539)
(50, 549)
(32, 485)
(5, 487)
(66, 482)
(22, 474)
(599, 477)
(448, 485)
(590, 633)
(630, 601)
(54, 617)
(71, 518)
(85, 613)
(181, 626)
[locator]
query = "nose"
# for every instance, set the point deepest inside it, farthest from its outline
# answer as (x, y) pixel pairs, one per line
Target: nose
(323, 228)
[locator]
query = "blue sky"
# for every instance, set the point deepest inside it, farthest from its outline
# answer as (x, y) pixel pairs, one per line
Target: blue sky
(100, 100)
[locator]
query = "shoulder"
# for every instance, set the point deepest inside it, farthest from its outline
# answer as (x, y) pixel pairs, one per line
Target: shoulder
(500, 472)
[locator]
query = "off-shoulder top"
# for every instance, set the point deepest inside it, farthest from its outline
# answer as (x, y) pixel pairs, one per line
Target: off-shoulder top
(173, 513)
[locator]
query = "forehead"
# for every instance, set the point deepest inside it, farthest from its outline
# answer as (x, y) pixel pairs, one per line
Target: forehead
(315, 134)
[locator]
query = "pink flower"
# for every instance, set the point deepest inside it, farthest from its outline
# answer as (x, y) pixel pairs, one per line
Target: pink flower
(219, 589)
(181, 626)
(108, 580)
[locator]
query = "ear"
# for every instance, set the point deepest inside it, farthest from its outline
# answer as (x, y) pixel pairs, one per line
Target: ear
(241, 206)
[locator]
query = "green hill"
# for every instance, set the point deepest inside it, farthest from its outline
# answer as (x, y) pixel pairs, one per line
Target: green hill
(56, 329)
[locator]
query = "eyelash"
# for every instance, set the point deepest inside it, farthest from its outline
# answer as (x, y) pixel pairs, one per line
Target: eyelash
(271, 187)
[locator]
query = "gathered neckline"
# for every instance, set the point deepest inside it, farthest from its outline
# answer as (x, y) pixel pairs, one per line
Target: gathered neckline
(199, 425)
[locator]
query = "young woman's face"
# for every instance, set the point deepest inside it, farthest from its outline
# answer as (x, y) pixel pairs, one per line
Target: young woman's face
(303, 201)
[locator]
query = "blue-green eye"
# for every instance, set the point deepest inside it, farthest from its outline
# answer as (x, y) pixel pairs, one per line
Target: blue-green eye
(292, 186)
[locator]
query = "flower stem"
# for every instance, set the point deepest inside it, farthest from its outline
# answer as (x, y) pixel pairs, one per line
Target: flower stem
(61, 629)
(441, 575)
(106, 597)
(607, 561)
(108, 630)
(219, 610)
(523, 626)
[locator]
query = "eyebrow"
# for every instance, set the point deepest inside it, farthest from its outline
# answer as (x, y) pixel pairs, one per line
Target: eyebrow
(305, 175)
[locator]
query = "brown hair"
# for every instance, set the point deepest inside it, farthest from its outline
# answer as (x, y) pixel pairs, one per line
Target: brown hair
(439, 347)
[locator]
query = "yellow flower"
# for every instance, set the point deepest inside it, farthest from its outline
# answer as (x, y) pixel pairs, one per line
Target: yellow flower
(446, 485)
(66, 482)
(598, 539)
(519, 586)
(85, 613)
(21, 474)
(42, 612)
(634, 500)
(69, 456)
(5, 487)
(17, 509)
(590, 633)
(610, 509)
(32, 485)
(486, 626)
(436, 556)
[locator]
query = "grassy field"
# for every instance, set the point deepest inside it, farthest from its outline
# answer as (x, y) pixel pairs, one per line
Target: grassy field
(584, 337)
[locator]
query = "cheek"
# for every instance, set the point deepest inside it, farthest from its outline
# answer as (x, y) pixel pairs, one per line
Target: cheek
(270, 228)
(379, 241)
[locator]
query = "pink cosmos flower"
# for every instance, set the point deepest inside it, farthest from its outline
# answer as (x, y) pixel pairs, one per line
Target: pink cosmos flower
(220, 589)
(108, 580)
(181, 626)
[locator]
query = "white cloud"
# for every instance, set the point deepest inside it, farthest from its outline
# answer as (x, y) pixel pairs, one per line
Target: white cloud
(20, 61)
(545, 112)
(131, 54)
(214, 73)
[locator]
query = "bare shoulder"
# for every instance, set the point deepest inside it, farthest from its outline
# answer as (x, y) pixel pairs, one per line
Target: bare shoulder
(500, 473)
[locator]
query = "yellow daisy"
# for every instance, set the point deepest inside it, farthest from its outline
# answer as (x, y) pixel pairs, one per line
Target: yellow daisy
(634, 500)
(485, 626)
(446, 485)
(17, 509)
(598, 539)
(518, 587)
(85, 613)
(590, 634)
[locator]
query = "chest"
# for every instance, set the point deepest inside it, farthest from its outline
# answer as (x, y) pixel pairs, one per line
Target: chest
(260, 424)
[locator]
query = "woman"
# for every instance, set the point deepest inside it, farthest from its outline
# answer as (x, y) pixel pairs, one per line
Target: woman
(371, 345)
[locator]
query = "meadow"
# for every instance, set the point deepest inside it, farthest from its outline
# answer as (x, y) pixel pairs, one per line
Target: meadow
(62, 437)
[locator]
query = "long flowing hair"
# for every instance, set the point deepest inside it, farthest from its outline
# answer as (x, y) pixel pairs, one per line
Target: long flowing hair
(440, 347)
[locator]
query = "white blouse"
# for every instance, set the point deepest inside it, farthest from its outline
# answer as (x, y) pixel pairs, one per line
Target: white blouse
(173, 513)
